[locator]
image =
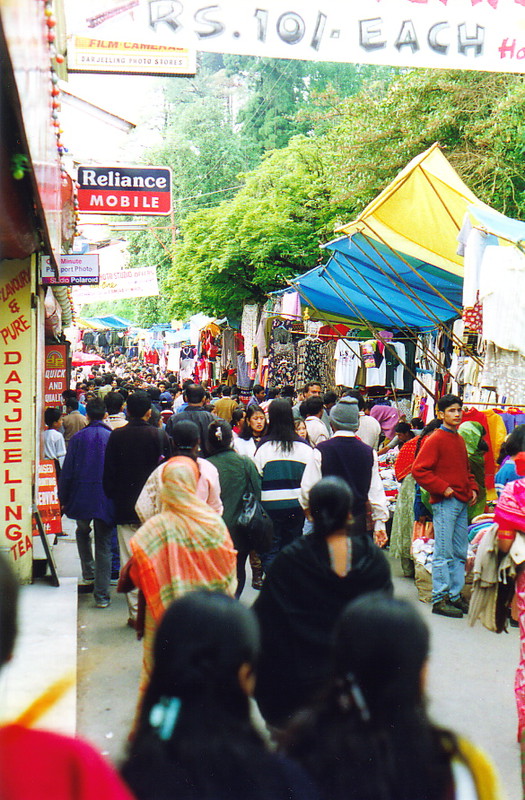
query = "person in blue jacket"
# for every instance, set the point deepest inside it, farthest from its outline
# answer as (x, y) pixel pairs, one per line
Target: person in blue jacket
(83, 499)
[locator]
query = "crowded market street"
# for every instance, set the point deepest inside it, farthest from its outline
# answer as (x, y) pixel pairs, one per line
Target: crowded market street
(262, 422)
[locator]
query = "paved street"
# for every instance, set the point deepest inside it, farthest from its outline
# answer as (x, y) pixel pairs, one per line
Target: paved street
(470, 678)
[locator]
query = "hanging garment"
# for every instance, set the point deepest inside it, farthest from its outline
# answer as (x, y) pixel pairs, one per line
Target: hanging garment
(347, 358)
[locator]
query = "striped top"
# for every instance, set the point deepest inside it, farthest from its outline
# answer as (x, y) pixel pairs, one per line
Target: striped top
(281, 472)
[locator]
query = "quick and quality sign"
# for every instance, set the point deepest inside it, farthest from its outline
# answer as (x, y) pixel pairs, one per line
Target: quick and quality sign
(124, 190)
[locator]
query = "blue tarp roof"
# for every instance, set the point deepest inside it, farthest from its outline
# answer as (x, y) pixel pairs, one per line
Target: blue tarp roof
(371, 281)
(111, 321)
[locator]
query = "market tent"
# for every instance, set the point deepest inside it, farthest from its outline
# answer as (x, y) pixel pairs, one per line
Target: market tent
(421, 212)
(369, 283)
(81, 359)
(104, 323)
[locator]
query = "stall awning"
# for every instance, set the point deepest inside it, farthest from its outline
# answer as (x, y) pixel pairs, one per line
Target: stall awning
(421, 212)
(366, 282)
(506, 229)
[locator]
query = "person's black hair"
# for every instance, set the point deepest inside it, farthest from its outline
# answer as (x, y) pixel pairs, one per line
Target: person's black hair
(302, 411)
(154, 417)
(212, 750)
(185, 435)
(99, 382)
(313, 405)
(288, 391)
(432, 426)
(114, 402)
(515, 442)
(370, 736)
(368, 405)
(216, 392)
(8, 610)
(273, 392)
(281, 426)
(52, 415)
(330, 502)
(219, 436)
(246, 432)
(237, 415)
(96, 409)
(309, 385)
(69, 394)
(72, 403)
(257, 389)
(195, 394)
(226, 391)
(330, 398)
(124, 391)
(138, 404)
(404, 427)
(449, 400)
(187, 383)
(107, 377)
(154, 393)
(417, 424)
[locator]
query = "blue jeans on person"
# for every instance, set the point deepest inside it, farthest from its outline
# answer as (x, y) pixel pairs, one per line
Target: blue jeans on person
(96, 569)
(287, 526)
(450, 548)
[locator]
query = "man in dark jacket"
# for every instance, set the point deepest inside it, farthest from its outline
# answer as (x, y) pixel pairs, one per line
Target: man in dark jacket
(132, 454)
(82, 496)
(195, 412)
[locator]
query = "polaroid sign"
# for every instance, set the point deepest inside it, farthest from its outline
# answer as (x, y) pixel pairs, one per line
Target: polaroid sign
(124, 190)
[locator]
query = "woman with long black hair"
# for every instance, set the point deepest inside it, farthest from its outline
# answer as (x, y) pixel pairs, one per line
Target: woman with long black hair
(370, 738)
(280, 458)
(195, 740)
(307, 587)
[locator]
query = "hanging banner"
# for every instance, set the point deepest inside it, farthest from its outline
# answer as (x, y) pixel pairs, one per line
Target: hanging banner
(16, 434)
(120, 285)
(446, 34)
(86, 54)
(55, 374)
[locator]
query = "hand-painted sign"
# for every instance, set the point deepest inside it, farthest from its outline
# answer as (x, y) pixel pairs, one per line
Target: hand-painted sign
(55, 374)
(74, 270)
(129, 58)
(47, 499)
(455, 34)
(124, 190)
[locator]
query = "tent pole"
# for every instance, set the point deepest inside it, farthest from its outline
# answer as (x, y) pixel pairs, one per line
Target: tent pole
(413, 337)
(439, 322)
(421, 277)
(373, 330)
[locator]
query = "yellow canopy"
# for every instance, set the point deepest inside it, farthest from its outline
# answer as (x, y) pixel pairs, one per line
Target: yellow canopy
(421, 212)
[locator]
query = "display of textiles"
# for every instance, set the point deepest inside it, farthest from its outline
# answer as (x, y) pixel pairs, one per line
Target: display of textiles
(309, 362)
(282, 357)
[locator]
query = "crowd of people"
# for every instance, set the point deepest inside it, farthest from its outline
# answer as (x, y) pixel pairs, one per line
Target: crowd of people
(335, 664)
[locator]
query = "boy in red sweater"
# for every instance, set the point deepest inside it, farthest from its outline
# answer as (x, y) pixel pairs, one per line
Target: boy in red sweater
(442, 468)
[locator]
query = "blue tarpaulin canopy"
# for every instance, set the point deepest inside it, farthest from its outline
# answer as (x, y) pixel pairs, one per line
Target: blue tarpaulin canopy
(111, 322)
(368, 282)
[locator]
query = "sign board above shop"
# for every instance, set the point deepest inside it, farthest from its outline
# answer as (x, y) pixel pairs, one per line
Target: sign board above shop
(446, 34)
(124, 190)
(73, 270)
(86, 54)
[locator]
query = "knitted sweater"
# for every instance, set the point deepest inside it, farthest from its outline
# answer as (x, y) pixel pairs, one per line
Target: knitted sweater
(443, 462)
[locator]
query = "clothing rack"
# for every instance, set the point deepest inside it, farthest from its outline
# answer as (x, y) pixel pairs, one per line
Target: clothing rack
(493, 405)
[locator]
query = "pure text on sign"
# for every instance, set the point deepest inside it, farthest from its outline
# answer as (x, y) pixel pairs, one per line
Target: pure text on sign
(124, 190)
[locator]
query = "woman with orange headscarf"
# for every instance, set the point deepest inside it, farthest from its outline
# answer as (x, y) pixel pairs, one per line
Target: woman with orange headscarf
(185, 547)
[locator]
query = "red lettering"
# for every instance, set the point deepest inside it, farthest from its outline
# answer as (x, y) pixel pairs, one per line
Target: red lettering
(13, 377)
(21, 549)
(12, 395)
(13, 532)
(14, 513)
(13, 456)
(8, 479)
(17, 418)
(13, 354)
(12, 434)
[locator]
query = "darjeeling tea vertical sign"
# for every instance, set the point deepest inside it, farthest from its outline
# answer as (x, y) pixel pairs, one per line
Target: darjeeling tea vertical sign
(16, 415)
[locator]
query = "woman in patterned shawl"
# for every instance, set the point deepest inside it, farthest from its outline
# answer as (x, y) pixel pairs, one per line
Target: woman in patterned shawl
(185, 547)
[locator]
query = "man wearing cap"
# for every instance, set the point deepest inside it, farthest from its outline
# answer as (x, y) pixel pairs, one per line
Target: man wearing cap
(345, 456)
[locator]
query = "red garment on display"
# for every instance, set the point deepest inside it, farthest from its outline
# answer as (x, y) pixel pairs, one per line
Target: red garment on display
(40, 765)
(333, 331)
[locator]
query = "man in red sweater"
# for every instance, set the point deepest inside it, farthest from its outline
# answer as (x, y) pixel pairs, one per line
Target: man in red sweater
(442, 468)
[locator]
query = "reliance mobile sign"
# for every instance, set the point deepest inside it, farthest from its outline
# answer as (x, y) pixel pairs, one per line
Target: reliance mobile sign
(124, 190)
